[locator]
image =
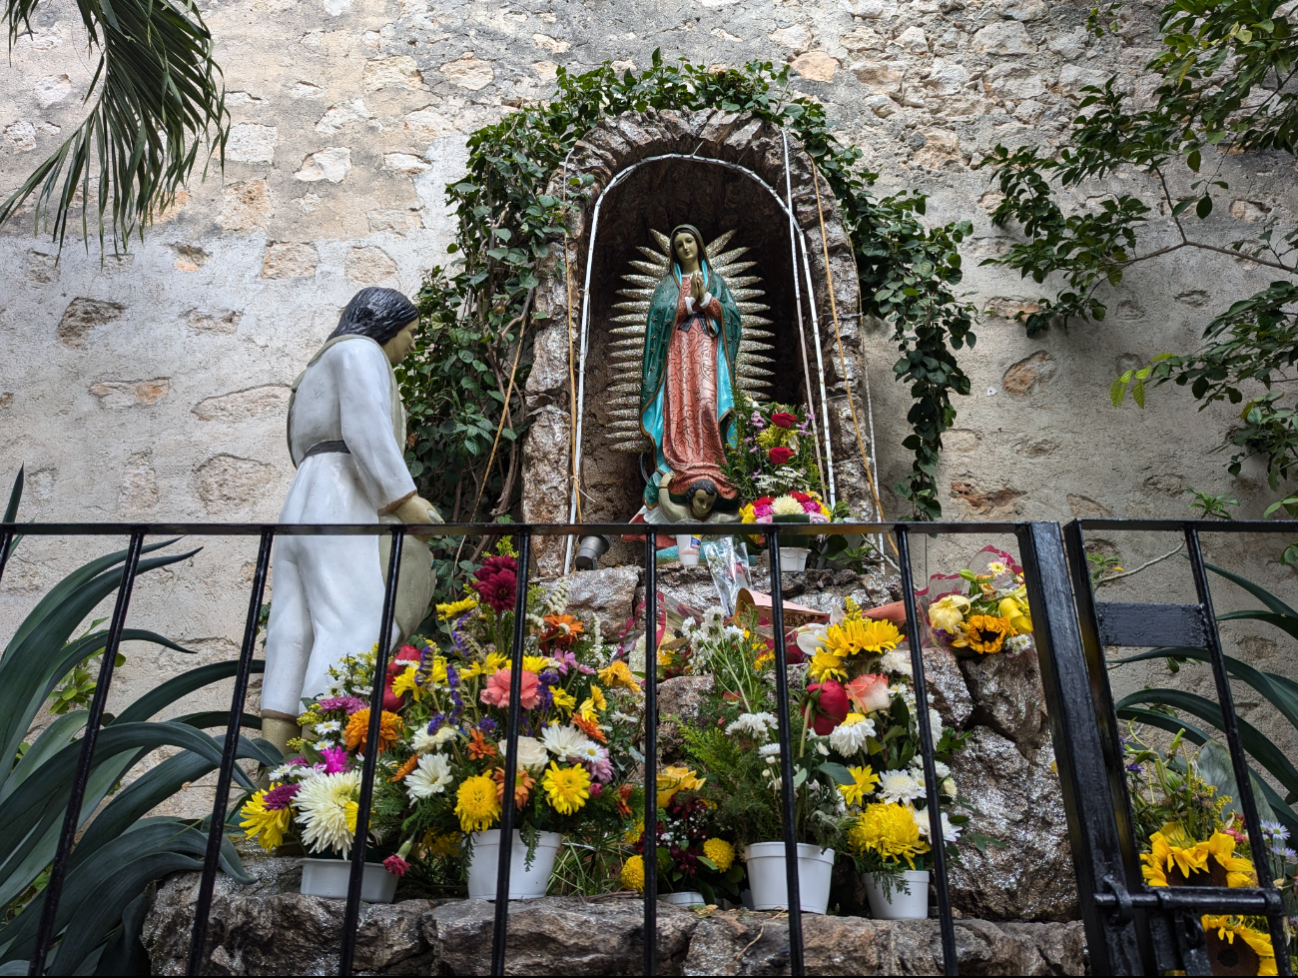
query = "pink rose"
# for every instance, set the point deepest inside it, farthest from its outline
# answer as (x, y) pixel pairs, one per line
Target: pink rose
(496, 692)
(869, 692)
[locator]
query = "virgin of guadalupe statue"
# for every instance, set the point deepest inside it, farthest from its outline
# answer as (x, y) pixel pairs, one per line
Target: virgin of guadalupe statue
(346, 436)
(687, 387)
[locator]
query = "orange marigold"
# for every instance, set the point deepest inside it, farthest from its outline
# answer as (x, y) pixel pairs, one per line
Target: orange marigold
(358, 729)
(479, 748)
(411, 762)
(590, 728)
(561, 631)
(523, 784)
(987, 633)
(623, 800)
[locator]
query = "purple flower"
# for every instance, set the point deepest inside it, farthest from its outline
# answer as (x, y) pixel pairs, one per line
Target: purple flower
(566, 660)
(335, 759)
(277, 799)
(601, 768)
(487, 726)
(349, 703)
(452, 677)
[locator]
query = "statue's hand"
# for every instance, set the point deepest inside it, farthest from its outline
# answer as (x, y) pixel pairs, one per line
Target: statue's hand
(696, 288)
(417, 509)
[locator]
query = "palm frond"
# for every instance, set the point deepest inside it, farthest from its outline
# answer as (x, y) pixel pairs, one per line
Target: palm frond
(157, 95)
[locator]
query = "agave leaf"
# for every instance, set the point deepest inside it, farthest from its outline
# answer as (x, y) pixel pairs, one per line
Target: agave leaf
(52, 739)
(216, 718)
(1277, 689)
(80, 649)
(1261, 748)
(1214, 766)
(1259, 592)
(11, 511)
(125, 955)
(173, 689)
(1286, 623)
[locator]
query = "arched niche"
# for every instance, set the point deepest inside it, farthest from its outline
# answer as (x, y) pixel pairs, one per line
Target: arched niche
(652, 171)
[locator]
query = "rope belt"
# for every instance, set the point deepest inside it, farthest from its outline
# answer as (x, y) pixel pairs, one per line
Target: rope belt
(324, 447)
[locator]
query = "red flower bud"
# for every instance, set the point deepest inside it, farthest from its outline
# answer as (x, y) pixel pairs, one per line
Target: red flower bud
(779, 455)
(782, 419)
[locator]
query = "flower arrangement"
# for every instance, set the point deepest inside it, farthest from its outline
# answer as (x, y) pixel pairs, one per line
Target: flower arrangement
(979, 613)
(441, 748)
(772, 451)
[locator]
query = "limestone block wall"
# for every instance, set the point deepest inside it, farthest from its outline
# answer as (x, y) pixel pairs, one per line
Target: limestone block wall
(152, 384)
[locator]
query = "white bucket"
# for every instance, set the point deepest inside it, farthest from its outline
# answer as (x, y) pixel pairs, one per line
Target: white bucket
(329, 878)
(689, 898)
(524, 883)
(901, 905)
(769, 882)
(687, 547)
(793, 559)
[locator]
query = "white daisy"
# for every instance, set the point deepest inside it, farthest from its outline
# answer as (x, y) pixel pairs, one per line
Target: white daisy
(563, 740)
(733, 632)
(430, 777)
(531, 753)
(328, 726)
(900, 786)
(326, 807)
(755, 724)
(849, 738)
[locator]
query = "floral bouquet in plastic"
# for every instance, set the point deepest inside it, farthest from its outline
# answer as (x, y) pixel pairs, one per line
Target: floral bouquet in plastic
(979, 612)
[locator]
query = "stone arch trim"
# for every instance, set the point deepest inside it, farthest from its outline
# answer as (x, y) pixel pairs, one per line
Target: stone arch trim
(612, 147)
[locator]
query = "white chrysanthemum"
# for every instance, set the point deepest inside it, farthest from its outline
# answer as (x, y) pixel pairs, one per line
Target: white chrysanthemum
(948, 788)
(849, 738)
(950, 833)
(769, 750)
(733, 632)
(531, 753)
(943, 771)
(713, 620)
(786, 506)
(326, 807)
(423, 742)
(754, 724)
(563, 740)
(430, 777)
(900, 786)
(896, 661)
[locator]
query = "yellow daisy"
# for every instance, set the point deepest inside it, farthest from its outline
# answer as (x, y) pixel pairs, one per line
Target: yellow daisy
(566, 788)
(864, 780)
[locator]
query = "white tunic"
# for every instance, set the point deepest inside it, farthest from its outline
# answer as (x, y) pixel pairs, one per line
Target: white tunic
(328, 591)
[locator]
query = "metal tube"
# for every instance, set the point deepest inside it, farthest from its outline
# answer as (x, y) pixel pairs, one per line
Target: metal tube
(788, 803)
(352, 915)
(6, 548)
(229, 751)
(1239, 760)
(937, 843)
(499, 933)
(72, 819)
(651, 753)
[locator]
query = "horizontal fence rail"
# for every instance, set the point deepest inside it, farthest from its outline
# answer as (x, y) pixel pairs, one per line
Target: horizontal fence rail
(1069, 639)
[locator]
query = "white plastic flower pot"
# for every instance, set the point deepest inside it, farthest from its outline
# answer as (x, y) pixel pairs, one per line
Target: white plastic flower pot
(793, 559)
(907, 900)
(329, 878)
(689, 898)
(524, 883)
(768, 879)
(687, 548)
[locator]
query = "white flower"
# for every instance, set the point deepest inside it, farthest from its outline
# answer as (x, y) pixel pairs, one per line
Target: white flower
(1018, 643)
(430, 777)
(896, 661)
(619, 717)
(563, 741)
(324, 742)
(811, 637)
(948, 788)
(531, 753)
(326, 807)
(821, 749)
(713, 620)
(935, 723)
(950, 833)
(848, 738)
(900, 786)
(756, 724)
(733, 632)
(426, 743)
(283, 771)
(328, 726)
(769, 750)
(942, 770)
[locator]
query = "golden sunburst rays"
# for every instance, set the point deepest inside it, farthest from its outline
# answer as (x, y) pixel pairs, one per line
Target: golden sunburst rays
(754, 367)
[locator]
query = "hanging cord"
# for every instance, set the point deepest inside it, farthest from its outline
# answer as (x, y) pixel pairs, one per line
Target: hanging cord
(842, 360)
(504, 408)
(797, 298)
(572, 382)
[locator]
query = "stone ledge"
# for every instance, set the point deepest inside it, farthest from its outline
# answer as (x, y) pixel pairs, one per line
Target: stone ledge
(260, 930)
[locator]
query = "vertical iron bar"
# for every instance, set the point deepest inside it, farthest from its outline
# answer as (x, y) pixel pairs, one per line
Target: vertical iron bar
(946, 921)
(71, 820)
(797, 963)
(216, 832)
(352, 915)
(651, 753)
(1239, 760)
(499, 933)
(1085, 740)
(6, 547)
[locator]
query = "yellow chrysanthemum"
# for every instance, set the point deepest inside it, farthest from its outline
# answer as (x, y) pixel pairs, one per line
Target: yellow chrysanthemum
(864, 780)
(674, 778)
(566, 788)
(1251, 954)
(855, 635)
(537, 663)
(563, 699)
(495, 662)
(633, 834)
(720, 852)
(456, 608)
(633, 873)
(476, 804)
(889, 830)
(266, 825)
(618, 674)
(408, 682)
(826, 665)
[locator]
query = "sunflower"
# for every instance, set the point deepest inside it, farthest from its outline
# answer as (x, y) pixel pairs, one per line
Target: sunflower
(986, 634)
(720, 852)
(861, 635)
(358, 728)
(633, 873)
(1251, 954)
(566, 788)
(476, 804)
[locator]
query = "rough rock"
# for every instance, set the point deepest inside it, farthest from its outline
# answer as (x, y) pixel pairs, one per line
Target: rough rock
(679, 700)
(1008, 697)
(946, 684)
(607, 593)
(131, 393)
(1030, 374)
(1027, 873)
(82, 315)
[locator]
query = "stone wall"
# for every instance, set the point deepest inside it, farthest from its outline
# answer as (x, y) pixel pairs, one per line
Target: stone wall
(152, 385)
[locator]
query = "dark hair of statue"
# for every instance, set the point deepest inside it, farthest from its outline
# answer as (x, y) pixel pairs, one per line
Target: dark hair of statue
(377, 313)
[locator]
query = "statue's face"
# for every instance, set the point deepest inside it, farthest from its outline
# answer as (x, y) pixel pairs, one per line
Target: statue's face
(687, 249)
(701, 503)
(400, 345)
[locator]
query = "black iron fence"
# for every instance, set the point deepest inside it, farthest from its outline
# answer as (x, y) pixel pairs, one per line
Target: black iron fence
(1130, 928)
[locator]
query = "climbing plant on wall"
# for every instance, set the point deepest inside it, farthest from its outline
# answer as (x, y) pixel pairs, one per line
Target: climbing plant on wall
(465, 382)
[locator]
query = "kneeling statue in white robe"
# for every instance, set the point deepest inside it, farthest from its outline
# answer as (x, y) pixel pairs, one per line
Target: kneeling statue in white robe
(346, 434)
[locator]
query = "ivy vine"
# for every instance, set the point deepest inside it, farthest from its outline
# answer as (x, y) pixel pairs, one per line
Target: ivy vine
(464, 384)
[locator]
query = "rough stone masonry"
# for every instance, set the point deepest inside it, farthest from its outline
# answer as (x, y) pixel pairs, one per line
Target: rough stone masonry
(152, 384)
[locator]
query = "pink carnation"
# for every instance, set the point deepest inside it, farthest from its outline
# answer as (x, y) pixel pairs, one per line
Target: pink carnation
(396, 865)
(496, 692)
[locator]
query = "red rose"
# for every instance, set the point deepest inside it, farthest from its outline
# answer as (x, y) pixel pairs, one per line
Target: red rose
(832, 706)
(782, 419)
(779, 455)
